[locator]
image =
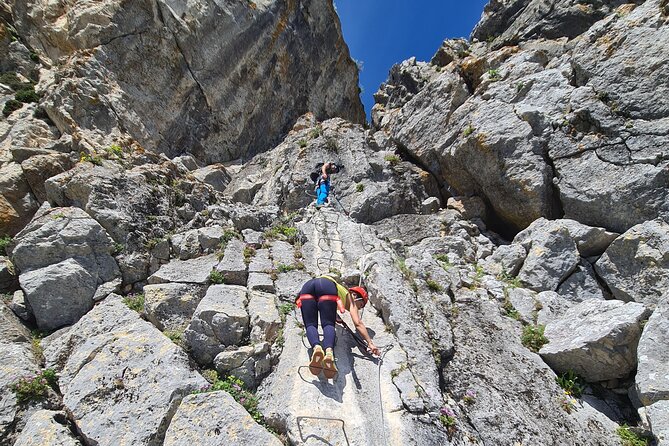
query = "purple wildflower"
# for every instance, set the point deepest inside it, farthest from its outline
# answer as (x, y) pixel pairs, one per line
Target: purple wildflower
(447, 411)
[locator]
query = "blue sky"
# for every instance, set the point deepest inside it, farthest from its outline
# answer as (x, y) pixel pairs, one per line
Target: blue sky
(381, 33)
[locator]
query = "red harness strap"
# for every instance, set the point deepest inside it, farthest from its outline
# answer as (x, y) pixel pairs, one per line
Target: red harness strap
(331, 297)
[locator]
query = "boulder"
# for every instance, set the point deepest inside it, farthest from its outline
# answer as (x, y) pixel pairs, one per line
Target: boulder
(658, 419)
(214, 175)
(196, 242)
(582, 284)
(20, 306)
(170, 306)
(232, 265)
(595, 339)
(212, 419)
(264, 317)
(8, 278)
(551, 256)
(652, 377)
(220, 320)
(194, 271)
(636, 265)
(17, 202)
(47, 425)
(113, 365)
(261, 282)
(288, 285)
(64, 257)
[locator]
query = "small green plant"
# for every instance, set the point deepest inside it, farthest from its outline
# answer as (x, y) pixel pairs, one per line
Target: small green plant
(533, 337)
(511, 281)
(334, 272)
(359, 187)
(393, 160)
(302, 143)
(494, 75)
(280, 340)
(433, 286)
(286, 308)
(34, 57)
(316, 132)
(11, 106)
(447, 418)
(176, 336)
(283, 268)
(331, 144)
(34, 388)
(135, 302)
(567, 403)
(11, 80)
(91, 158)
(6, 297)
(519, 86)
(468, 130)
(490, 39)
(235, 387)
(36, 337)
(5, 240)
(510, 310)
(210, 375)
(570, 383)
(152, 243)
(629, 437)
(282, 231)
(118, 248)
(248, 253)
(216, 277)
(115, 150)
(469, 397)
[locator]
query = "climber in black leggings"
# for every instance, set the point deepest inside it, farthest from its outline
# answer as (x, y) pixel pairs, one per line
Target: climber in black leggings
(323, 295)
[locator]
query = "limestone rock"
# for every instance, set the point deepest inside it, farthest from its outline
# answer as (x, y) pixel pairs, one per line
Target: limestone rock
(210, 81)
(430, 205)
(211, 419)
(636, 265)
(170, 306)
(8, 278)
(20, 306)
(47, 426)
(113, 365)
(582, 285)
(264, 317)
(658, 417)
(17, 202)
(261, 282)
(214, 175)
(220, 320)
(196, 242)
(64, 256)
(652, 377)
(194, 271)
(232, 265)
(596, 339)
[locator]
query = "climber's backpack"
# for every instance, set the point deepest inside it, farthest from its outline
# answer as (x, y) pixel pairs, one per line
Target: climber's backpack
(316, 174)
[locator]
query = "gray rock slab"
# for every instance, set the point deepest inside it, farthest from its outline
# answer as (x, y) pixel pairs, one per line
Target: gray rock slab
(658, 418)
(260, 282)
(582, 284)
(282, 253)
(214, 175)
(186, 271)
(252, 237)
(596, 339)
(8, 279)
(636, 265)
(261, 262)
(507, 259)
(213, 419)
(220, 320)
(170, 306)
(112, 366)
(19, 305)
(59, 294)
(46, 427)
(232, 265)
(264, 317)
(196, 242)
(652, 377)
(288, 285)
(551, 257)
(231, 359)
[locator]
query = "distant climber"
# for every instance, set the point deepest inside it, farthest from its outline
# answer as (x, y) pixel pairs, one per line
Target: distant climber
(321, 177)
(323, 296)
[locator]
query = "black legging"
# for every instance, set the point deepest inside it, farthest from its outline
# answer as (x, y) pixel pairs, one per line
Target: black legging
(326, 308)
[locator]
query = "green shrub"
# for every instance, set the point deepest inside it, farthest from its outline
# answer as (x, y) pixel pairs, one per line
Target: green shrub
(27, 95)
(629, 437)
(118, 248)
(302, 143)
(34, 388)
(570, 383)
(5, 240)
(11, 80)
(115, 150)
(359, 187)
(11, 106)
(282, 231)
(533, 337)
(283, 268)
(91, 158)
(135, 302)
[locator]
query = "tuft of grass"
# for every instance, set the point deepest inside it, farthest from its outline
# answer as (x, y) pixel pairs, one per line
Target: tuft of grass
(331, 144)
(629, 437)
(236, 388)
(494, 74)
(176, 336)
(359, 187)
(210, 375)
(91, 158)
(433, 286)
(115, 150)
(511, 281)
(302, 143)
(509, 310)
(5, 240)
(135, 302)
(533, 337)
(118, 248)
(468, 130)
(216, 277)
(34, 388)
(393, 160)
(27, 95)
(248, 253)
(282, 231)
(519, 86)
(316, 132)
(570, 383)
(443, 261)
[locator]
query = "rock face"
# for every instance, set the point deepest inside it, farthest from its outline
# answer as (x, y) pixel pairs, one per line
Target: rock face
(636, 265)
(595, 339)
(288, 56)
(112, 365)
(652, 378)
(547, 127)
(211, 419)
(47, 425)
(63, 256)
